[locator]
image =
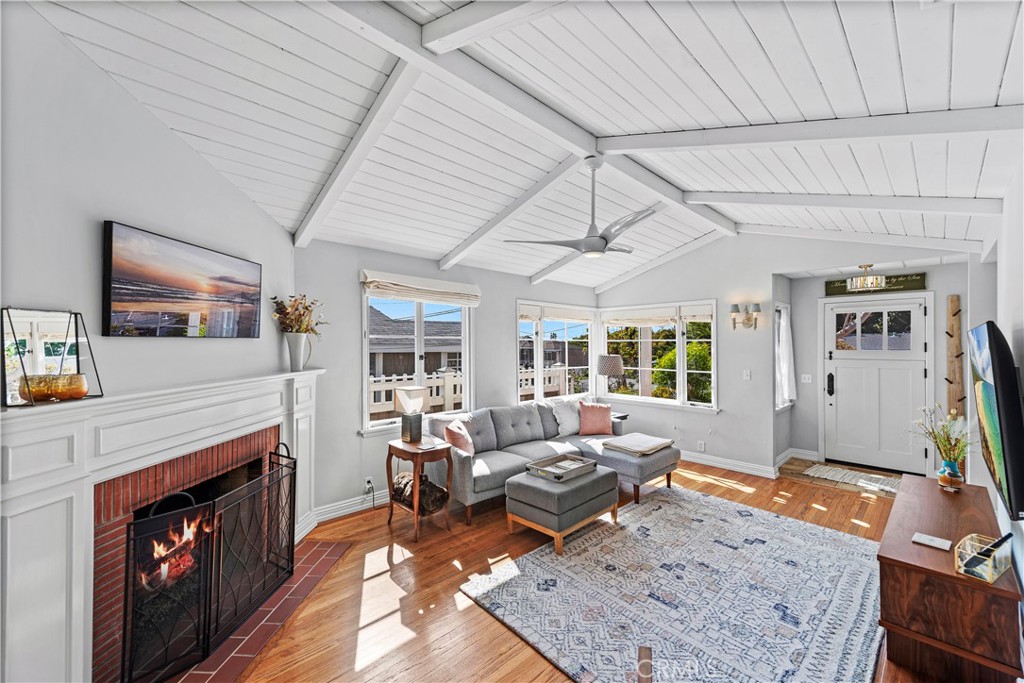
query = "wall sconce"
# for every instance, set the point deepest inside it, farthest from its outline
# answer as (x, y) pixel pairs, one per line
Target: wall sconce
(749, 314)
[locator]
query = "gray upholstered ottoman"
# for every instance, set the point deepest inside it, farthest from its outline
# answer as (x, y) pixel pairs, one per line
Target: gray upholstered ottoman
(560, 508)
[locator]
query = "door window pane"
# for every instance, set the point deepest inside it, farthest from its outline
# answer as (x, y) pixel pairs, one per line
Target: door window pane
(846, 332)
(871, 331)
(898, 332)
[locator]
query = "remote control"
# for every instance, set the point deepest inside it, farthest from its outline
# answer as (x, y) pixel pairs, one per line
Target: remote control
(925, 539)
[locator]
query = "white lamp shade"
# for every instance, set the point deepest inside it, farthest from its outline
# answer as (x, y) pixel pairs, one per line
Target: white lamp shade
(735, 308)
(755, 308)
(610, 365)
(411, 399)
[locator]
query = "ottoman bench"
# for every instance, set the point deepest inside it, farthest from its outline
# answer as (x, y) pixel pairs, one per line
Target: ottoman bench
(560, 508)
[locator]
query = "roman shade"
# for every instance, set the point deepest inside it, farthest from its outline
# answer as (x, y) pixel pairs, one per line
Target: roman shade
(641, 317)
(534, 313)
(426, 290)
(697, 313)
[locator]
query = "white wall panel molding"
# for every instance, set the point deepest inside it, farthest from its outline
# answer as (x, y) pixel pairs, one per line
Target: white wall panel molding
(52, 457)
(954, 123)
(965, 246)
(941, 205)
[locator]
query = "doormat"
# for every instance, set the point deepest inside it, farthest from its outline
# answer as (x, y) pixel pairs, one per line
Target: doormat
(841, 476)
(313, 560)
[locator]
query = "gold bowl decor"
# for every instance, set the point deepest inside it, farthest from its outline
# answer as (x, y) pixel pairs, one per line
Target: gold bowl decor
(53, 387)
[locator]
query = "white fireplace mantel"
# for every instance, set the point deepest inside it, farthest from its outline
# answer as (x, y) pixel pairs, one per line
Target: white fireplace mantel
(51, 457)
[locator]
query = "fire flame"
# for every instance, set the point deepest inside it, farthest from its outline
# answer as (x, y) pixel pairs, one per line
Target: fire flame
(178, 551)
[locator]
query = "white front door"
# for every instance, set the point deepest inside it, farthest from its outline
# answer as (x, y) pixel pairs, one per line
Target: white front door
(875, 383)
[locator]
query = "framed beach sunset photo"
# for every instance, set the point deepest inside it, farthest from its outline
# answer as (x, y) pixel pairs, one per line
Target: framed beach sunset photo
(155, 286)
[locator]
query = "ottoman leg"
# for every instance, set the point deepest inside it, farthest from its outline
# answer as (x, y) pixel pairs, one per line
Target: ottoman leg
(636, 493)
(558, 544)
(469, 515)
(615, 513)
(668, 480)
(508, 517)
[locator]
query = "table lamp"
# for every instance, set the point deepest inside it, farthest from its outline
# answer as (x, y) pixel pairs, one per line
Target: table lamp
(410, 401)
(610, 366)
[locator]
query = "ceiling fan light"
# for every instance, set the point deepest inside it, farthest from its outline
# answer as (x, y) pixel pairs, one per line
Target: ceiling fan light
(593, 254)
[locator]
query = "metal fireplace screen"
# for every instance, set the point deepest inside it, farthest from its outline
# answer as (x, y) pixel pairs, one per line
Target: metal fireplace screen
(197, 573)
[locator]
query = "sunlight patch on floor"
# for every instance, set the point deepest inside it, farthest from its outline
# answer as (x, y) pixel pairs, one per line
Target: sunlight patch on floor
(819, 507)
(718, 481)
(381, 597)
(380, 561)
(780, 500)
(860, 523)
(462, 601)
(380, 638)
(457, 565)
(500, 559)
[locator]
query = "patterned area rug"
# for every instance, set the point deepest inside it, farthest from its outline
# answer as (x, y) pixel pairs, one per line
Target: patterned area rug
(871, 482)
(719, 591)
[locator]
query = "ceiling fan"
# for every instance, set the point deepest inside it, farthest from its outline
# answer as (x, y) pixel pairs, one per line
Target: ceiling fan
(597, 242)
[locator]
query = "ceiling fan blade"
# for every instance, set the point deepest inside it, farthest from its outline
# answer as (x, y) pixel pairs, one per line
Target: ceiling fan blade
(621, 225)
(572, 244)
(621, 250)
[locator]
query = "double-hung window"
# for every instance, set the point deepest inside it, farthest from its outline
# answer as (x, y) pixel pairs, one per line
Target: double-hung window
(413, 341)
(668, 352)
(554, 351)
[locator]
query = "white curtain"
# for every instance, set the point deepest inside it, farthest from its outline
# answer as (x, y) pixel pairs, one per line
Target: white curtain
(785, 372)
(392, 286)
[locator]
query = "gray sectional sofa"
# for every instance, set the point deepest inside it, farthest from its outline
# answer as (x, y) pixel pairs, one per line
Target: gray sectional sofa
(507, 438)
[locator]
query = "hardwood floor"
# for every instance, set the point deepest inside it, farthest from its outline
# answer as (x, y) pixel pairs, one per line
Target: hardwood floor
(391, 610)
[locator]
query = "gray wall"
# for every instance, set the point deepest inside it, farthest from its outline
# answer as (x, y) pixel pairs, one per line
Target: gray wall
(943, 280)
(330, 272)
(736, 270)
(78, 149)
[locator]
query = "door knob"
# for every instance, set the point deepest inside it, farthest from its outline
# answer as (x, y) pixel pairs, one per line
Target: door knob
(831, 384)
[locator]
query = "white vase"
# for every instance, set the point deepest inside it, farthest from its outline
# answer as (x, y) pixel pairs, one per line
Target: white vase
(300, 349)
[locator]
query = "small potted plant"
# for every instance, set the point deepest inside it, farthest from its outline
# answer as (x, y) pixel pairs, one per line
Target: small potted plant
(298, 319)
(948, 432)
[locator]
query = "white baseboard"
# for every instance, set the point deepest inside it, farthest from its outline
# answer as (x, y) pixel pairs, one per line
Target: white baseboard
(734, 465)
(795, 453)
(304, 525)
(326, 513)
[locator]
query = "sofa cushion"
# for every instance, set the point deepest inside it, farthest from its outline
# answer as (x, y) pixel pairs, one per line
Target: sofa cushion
(457, 435)
(516, 424)
(535, 450)
(492, 468)
(595, 418)
(567, 412)
(547, 417)
(478, 423)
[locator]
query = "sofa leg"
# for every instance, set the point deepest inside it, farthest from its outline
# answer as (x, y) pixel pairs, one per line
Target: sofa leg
(636, 493)
(668, 480)
(469, 515)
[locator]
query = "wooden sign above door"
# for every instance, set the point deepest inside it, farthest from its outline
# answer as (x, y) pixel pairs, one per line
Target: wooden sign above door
(893, 283)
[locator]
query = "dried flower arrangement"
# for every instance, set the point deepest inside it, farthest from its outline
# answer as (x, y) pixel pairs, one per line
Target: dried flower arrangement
(298, 314)
(949, 432)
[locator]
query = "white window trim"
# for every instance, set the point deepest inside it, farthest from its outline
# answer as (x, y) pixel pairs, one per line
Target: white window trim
(538, 349)
(788, 406)
(678, 403)
(389, 426)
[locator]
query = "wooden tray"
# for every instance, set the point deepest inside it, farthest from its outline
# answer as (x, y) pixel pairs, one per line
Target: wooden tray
(549, 468)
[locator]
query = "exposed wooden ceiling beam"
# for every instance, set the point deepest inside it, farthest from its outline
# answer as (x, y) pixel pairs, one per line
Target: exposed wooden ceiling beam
(519, 205)
(547, 272)
(989, 247)
(393, 31)
(389, 99)
(892, 127)
(944, 205)
(478, 20)
(962, 246)
(693, 245)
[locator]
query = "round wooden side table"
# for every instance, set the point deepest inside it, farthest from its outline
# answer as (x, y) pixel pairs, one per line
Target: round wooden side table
(428, 450)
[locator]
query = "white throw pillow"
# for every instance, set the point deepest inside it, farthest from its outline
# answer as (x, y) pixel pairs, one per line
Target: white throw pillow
(567, 413)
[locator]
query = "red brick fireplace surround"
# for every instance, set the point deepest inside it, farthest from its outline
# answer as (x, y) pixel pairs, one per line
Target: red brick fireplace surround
(116, 499)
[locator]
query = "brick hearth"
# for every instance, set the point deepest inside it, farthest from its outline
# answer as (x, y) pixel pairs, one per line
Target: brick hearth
(116, 499)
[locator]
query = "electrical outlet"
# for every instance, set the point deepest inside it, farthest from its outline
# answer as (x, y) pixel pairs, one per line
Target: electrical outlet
(368, 486)
(700, 446)
(805, 379)
(746, 375)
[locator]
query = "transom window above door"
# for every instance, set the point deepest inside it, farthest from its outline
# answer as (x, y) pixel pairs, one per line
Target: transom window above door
(878, 328)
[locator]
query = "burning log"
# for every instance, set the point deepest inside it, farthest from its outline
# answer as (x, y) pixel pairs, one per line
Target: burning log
(172, 560)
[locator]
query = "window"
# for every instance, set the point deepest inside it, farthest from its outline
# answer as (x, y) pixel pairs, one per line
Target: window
(412, 343)
(668, 352)
(554, 351)
(874, 330)
(785, 370)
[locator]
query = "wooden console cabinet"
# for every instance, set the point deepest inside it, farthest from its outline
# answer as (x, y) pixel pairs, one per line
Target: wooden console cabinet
(939, 624)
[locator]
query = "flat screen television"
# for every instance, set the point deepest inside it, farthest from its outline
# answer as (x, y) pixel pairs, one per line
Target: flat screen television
(1000, 407)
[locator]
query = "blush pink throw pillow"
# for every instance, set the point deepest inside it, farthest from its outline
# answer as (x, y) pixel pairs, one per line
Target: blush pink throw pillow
(457, 435)
(595, 418)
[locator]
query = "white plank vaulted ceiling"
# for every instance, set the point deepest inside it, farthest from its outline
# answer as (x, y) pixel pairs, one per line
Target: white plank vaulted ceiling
(292, 102)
